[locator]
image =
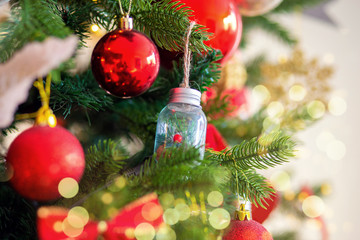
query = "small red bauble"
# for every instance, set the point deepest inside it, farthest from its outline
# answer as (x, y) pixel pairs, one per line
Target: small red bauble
(247, 230)
(177, 138)
(222, 18)
(260, 214)
(214, 140)
(125, 63)
(40, 158)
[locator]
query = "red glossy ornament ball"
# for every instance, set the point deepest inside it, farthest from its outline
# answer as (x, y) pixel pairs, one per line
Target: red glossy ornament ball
(177, 138)
(125, 63)
(222, 18)
(247, 230)
(41, 157)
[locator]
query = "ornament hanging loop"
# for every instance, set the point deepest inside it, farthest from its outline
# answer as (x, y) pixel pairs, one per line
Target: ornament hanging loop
(126, 22)
(187, 57)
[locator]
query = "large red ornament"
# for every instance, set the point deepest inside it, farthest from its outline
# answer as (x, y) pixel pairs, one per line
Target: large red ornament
(125, 63)
(222, 18)
(247, 230)
(41, 157)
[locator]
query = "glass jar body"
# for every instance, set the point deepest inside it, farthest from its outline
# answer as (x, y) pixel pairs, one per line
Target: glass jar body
(181, 123)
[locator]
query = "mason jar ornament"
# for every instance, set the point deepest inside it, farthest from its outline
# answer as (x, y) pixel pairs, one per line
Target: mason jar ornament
(182, 121)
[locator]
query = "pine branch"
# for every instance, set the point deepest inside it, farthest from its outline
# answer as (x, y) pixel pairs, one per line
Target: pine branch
(252, 186)
(270, 26)
(261, 153)
(32, 20)
(78, 91)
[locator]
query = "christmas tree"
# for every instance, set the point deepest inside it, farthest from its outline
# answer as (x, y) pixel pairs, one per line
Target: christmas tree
(132, 163)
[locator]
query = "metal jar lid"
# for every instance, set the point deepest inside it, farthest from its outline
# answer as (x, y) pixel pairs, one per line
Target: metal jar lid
(185, 95)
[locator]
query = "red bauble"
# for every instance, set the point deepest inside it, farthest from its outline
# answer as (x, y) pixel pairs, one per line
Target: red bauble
(125, 63)
(41, 157)
(222, 18)
(177, 138)
(247, 230)
(260, 214)
(214, 140)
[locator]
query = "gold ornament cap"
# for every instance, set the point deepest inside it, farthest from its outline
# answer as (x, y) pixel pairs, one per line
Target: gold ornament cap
(242, 214)
(126, 23)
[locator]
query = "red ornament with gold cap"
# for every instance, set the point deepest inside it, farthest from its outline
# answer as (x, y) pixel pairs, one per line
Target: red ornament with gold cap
(243, 228)
(43, 155)
(125, 62)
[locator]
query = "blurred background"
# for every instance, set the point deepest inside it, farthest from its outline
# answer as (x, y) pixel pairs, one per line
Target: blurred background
(328, 154)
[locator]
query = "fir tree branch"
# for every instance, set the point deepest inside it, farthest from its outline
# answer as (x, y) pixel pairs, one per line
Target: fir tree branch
(259, 153)
(251, 185)
(32, 20)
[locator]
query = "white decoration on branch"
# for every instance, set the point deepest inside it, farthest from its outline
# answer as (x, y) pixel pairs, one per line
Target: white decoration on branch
(35, 60)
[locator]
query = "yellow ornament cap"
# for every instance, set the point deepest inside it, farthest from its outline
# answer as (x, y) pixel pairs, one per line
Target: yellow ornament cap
(242, 214)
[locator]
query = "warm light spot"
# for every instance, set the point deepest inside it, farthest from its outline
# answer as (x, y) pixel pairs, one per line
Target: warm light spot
(183, 210)
(57, 226)
(289, 195)
(316, 109)
(151, 211)
(329, 58)
(130, 233)
(275, 109)
(78, 217)
(151, 60)
(336, 150)
(281, 180)
(261, 93)
(302, 196)
(167, 199)
(337, 106)
(165, 233)
(179, 201)
(120, 182)
(94, 28)
(215, 198)
(70, 230)
(313, 206)
(271, 124)
(144, 231)
(297, 93)
(326, 189)
(219, 218)
(68, 187)
(107, 198)
(323, 140)
(171, 216)
(52, 120)
(102, 227)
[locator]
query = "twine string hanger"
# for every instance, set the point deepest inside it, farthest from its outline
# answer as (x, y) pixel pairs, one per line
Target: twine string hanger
(187, 57)
(122, 10)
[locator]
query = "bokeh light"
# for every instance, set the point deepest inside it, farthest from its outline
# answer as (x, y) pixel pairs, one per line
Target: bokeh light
(337, 106)
(52, 120)
(316, 109)
(68, 187)
(70, 230)
(313, 206)
(336, 150)
(166, 199)
(271, 124)
(119, 183)
(219, 218)
(281, 180)
(215, 198)
(78, 217)
(171, 216)
(107, 198)
(57, 226)
(275, 109)
(165, 233)
(94, 28)
(144, 231)
(261, 93)
(102, 226)
(297, 93)
(151, 211)
(183, 210)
